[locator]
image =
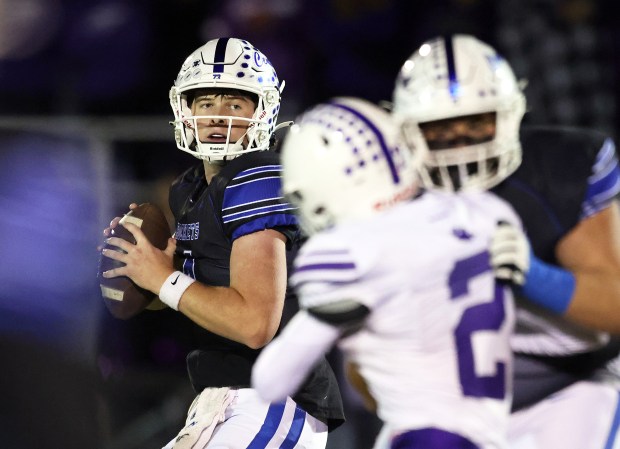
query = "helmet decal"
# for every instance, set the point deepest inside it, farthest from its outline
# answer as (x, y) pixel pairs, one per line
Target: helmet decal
(453, 80)
(358, 148)
(218, 57)
(387, 153)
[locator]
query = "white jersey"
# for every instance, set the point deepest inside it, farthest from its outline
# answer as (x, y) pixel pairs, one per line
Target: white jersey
(434, 348)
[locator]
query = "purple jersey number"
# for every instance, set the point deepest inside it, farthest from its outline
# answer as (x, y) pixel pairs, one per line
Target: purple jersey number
(485, 316)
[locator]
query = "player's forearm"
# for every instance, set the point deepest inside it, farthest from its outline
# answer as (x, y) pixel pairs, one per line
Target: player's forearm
(225, 312)
(596, 301)
(591, 251)
(590, 298)
(275, 376)
(286, 361)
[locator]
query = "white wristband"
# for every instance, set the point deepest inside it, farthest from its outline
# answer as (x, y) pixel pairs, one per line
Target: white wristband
(171, 291)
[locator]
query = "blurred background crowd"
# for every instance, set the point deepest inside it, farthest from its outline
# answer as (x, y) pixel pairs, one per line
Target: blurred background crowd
(84, 131)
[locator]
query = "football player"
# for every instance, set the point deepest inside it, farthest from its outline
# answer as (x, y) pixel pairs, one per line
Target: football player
(404, 287)
(562, 182)
(233, 235)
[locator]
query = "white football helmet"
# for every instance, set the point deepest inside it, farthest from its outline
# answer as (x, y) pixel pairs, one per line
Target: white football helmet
(226, 63)
(456, 77)
(345, 160)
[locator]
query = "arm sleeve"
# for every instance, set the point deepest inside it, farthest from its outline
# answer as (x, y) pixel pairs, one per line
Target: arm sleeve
(285, 362)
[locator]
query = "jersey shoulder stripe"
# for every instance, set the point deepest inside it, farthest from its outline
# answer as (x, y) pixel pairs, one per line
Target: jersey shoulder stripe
(252, 186)
(606, 161)
(252, 202)
(604, 183)
(248, 173)
(263, 222)
(266, 208)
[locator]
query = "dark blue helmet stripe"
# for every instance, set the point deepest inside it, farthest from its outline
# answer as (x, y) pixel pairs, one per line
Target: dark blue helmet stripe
(380, 139)
(454, 84)
(220, 55)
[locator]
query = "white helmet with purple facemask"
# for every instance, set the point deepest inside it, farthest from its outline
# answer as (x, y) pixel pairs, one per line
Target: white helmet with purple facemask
(226, 63)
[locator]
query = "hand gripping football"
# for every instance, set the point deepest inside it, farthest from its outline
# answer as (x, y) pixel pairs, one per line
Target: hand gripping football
(121, 295)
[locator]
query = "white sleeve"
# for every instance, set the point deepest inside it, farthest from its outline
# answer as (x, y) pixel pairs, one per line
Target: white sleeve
(285, 362)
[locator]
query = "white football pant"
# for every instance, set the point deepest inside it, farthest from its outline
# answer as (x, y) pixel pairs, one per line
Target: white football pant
(585, 415)
(251, 423)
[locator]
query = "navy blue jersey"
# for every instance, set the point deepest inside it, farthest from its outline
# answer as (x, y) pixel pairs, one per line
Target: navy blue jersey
(244, 197)
(549, 187)
(567, 174)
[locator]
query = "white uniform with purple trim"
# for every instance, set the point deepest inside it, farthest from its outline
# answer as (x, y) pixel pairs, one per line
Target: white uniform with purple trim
(434, 347)
(586, 414)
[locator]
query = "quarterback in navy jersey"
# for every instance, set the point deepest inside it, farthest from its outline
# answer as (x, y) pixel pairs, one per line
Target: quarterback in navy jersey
(451, 98)
(234, 237)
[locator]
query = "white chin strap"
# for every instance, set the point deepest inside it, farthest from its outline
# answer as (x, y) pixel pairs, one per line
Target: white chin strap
(219, 152)
(213, 152)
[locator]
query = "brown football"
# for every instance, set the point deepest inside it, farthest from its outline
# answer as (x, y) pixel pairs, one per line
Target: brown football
(121, 295)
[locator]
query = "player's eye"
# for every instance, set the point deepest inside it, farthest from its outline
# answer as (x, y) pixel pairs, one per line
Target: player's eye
(202, 105)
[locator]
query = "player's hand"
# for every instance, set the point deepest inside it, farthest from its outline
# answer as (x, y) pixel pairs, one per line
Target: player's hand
(145, 264)
(510, 254)
(107, 232)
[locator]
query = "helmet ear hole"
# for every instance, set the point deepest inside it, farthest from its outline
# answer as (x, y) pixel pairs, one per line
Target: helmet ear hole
(294, 196)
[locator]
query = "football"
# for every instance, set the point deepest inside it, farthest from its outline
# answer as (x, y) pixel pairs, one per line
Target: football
(121, 295)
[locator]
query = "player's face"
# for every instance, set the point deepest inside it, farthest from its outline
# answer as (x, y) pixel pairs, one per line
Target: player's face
(214, 129)
(459, 131)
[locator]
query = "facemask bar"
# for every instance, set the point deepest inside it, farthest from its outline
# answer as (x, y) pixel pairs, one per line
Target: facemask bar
(474, 167)
(256, 137)
(249, 141)
(464, 168)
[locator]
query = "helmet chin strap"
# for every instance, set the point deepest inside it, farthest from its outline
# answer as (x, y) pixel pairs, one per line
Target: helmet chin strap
(230, 147)
(237, 146)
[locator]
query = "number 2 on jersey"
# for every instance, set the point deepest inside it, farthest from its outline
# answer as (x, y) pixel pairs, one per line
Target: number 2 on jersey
(484, 316)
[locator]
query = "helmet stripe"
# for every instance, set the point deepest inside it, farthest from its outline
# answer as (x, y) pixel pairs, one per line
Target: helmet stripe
(380, 139)
(452, 80)
(220, 55)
